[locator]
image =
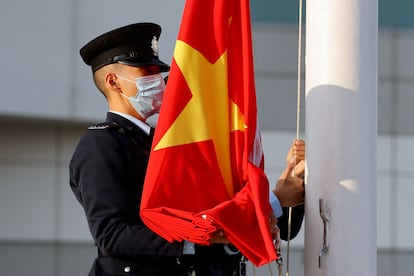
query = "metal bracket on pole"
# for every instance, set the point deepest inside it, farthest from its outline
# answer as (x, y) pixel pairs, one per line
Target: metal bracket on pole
(324, 213)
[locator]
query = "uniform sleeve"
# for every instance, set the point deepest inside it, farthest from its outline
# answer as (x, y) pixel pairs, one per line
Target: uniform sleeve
(274, 202)
(108, 180)
(296, 221)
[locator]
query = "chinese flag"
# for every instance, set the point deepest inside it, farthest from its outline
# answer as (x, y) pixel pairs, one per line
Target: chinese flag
(205, 170)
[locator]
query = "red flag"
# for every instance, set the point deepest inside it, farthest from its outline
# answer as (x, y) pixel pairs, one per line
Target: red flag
(205, 170)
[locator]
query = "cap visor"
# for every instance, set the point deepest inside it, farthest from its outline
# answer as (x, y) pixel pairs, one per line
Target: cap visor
(152, 62)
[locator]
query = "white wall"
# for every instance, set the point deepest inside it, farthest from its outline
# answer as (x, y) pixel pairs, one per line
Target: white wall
(45, 76)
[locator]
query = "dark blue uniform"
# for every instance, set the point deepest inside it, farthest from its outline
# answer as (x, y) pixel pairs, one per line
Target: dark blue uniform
(107, 173)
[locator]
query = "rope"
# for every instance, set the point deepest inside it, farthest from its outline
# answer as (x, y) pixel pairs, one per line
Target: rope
(297, 123)
(288, 240)
(299, 70)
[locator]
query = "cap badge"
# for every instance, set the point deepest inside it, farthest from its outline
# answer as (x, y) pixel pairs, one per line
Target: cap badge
(154, 45)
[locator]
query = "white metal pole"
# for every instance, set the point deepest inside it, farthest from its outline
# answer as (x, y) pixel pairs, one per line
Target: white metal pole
(341, 132)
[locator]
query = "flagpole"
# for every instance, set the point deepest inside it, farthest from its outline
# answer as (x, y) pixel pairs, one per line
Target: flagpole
(341, 130)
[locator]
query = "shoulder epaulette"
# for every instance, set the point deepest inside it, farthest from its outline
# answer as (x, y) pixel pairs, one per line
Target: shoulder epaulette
(105, 125)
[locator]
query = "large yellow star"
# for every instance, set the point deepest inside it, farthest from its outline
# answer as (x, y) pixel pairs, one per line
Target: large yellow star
(210, 114)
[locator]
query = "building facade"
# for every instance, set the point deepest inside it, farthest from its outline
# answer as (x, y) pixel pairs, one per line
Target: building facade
(48, 100)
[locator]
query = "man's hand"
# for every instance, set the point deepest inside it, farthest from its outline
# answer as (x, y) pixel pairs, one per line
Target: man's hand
(290, 189)
(219, 237)
(297, 153)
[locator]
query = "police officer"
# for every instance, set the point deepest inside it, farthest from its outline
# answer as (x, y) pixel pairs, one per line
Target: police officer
(108, 167)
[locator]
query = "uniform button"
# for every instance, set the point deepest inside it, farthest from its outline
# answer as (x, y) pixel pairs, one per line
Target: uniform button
(127, 269)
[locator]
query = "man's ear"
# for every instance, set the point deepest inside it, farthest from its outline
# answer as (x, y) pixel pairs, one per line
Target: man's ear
(112, 82)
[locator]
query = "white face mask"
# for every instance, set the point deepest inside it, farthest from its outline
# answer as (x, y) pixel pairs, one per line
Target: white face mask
(150, 91)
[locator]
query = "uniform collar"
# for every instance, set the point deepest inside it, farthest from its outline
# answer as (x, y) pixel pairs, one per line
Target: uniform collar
(146, 128)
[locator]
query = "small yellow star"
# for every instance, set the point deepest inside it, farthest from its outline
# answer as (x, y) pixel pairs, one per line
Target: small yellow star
(210, 114)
